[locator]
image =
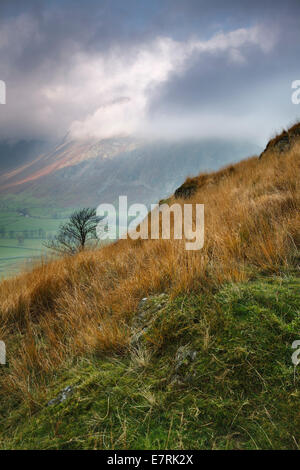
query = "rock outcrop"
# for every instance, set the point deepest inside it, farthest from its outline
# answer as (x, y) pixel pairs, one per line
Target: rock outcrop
(187, 189)
(191, 185)
(284, 141)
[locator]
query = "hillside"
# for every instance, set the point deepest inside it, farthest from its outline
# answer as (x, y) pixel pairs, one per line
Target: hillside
(87, 173)
(143, 344)
(50, 185)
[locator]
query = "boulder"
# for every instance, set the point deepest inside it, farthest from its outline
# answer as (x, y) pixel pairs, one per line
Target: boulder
(283, 142)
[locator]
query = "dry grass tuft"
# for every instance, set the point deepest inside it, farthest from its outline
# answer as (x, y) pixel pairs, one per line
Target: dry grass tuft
(84, 303)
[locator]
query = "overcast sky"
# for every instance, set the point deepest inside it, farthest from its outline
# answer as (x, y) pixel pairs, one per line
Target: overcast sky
(159, 68)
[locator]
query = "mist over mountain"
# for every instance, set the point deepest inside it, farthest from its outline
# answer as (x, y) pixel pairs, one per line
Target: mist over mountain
(14, 153)
(80, 173)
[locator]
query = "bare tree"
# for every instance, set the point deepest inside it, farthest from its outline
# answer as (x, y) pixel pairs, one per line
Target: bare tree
(73, 236)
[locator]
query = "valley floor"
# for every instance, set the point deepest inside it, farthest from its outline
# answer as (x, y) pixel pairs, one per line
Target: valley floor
(23, 232)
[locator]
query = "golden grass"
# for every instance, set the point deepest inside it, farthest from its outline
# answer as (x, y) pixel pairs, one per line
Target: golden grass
(84, 303)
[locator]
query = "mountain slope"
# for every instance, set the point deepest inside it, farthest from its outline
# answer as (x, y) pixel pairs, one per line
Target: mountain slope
(73, 174)
(85, 173)
(142, 344)
(14, 154)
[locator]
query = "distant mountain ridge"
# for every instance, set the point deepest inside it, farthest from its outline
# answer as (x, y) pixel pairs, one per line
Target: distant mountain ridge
(15, 153)
(65, 154)
(77, 173)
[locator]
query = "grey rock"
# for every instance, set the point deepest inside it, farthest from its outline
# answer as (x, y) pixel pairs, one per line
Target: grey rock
(176, 380)
(184, 356)
(145, 316)
(137, 335)
(283, 142)
(62, 396)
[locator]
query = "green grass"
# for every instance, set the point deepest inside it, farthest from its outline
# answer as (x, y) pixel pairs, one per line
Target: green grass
(208, 371)
(42, 215)
(14, 256)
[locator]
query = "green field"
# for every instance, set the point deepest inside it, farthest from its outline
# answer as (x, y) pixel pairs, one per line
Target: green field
(25, 225)
(14, 257)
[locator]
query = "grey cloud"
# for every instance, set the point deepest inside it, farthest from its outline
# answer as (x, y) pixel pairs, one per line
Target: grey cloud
(42, 45)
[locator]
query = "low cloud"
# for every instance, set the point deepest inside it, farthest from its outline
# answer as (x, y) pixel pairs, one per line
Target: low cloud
(105, 72)
(138, 75)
